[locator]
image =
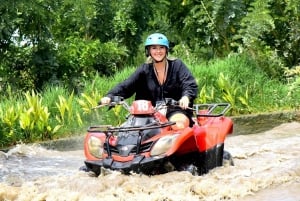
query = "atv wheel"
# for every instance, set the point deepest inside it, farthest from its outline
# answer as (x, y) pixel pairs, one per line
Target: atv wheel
(189, 168)
(227, 159)
(94, 172)
(193, 170)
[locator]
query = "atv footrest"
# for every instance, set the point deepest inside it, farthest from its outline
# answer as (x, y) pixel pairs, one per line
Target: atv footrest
(107, 162)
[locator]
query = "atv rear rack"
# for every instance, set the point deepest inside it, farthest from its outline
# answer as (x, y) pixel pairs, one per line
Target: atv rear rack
(211, 110)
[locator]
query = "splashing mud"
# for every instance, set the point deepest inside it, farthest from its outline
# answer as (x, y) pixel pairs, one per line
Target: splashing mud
(267, 167)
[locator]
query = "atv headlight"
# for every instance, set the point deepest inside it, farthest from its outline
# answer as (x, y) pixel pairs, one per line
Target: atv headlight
(163, 145)
(95, 146)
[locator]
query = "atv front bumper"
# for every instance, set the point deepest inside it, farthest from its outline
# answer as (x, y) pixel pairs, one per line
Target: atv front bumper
(204, 161)
(138, 164)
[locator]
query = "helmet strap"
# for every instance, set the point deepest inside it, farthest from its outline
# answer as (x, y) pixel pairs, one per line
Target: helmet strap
(147, 52)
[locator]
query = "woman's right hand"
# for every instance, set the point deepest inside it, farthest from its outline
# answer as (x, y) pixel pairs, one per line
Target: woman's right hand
(105, 100)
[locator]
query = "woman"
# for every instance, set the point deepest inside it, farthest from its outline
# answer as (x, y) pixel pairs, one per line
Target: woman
(159, 78)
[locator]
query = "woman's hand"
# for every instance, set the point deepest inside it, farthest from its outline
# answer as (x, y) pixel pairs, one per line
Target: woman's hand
(184, 102)
(104, 101)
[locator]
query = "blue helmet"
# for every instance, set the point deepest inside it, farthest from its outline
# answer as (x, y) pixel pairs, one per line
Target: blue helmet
(157, 39)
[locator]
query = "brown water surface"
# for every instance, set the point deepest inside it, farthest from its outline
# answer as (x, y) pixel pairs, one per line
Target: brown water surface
(267, 167)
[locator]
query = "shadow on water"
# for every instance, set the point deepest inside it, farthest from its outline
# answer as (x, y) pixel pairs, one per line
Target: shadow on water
(250, 124)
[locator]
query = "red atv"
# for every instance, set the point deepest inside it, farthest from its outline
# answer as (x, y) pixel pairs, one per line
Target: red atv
(149, 143)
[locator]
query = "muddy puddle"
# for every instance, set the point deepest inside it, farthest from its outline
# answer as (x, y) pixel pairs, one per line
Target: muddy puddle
(267, 167)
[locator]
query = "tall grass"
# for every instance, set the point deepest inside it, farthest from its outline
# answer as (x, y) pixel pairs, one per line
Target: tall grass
(57, 112)
(254, 90)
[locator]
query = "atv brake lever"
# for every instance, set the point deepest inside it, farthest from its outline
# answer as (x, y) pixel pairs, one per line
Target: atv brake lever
(96, 107)
(173, 103)
(190, 108)
(111, 105)
(99, 106)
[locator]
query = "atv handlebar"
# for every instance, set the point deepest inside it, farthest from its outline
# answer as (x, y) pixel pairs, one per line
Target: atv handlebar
(169, 102)
(211, 110)
(118, 100)
(115, 100)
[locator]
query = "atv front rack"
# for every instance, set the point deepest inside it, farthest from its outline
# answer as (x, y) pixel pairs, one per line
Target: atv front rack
(109, 128)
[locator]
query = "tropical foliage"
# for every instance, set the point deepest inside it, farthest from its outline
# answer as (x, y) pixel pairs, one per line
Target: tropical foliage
(57, 58)
(42, 41)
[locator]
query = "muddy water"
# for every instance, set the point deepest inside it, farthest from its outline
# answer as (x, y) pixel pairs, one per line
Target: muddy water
(267, 167)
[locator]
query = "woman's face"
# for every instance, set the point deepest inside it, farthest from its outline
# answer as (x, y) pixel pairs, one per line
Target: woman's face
(158, 52)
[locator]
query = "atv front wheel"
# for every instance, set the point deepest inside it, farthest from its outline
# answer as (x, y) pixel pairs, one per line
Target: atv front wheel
(93, 172)
(227, 159)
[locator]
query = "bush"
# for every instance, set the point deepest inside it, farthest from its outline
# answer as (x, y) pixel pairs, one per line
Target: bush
(79, 58)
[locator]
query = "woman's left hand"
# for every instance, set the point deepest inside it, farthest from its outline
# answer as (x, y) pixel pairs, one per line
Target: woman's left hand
(184, 102)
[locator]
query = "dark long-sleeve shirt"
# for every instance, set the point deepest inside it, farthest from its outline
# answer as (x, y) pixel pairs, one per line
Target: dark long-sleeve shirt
(144, 84)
